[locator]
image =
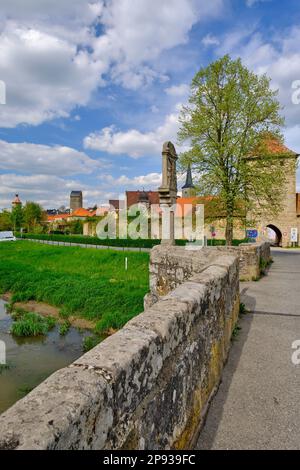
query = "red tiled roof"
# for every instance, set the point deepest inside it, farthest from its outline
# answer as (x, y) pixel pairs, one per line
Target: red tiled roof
(115, 203)
(77, 213)
(51, 218)
(82, 213)
(272, 145)
(133, 197)
(186, 202)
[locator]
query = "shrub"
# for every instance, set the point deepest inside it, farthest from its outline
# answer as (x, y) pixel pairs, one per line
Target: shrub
(127, 242)
(89, 342)
(235, 332)
(64, 328)
(31, 324)
(263, 264)
(243, 309)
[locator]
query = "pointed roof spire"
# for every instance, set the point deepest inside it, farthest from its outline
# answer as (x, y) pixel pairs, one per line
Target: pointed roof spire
(189, 179)
(16, 200)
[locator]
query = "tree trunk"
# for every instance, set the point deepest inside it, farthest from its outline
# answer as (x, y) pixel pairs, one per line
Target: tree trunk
(229, 230)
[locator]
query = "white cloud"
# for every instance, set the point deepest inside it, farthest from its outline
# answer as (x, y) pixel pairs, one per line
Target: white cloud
(210, 40)
(149, 181)
(46, 77)
(278, 57)
(52, 59)
(134, 143)
(181, 90)
(250, 3)
(48, 190)
(137, 31)
(46, 160)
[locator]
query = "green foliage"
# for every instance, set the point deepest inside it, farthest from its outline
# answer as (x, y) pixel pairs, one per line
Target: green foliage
(139, 243)
(235, 332)
(24, 390)
(75, 227)
(64, 328)
(33, 215)
(17, 217)
(231, 112)
(89, 342)
(220, 242)
(32, 324)
(5, 221)
(91, 284)
(130, 243)
(262, 266)
(243, 309)
(4, 367)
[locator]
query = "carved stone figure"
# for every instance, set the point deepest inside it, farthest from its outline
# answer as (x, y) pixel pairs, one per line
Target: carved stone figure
(168, 189)
(168, 192)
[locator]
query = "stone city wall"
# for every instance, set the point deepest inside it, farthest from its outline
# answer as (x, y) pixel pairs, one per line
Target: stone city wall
(147, 386)
(253, 258)
(169, 268)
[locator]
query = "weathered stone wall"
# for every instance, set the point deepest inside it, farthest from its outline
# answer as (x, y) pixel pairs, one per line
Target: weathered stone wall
(251, 257)
(169, 268)
(147, 386)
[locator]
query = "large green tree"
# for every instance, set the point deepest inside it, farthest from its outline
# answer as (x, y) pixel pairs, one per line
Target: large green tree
(5, 221)
(230, 112)
(17, 217)
(33, 215)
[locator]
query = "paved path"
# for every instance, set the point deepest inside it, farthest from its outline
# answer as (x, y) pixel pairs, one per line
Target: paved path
(258, 403)
(87, 245)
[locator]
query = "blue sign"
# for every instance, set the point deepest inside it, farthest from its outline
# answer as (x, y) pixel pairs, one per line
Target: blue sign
(251, 233)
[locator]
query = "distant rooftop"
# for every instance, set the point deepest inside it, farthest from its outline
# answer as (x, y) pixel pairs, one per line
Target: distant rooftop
(272, 145)
(76, 193)
(16, 200)
(189, 179)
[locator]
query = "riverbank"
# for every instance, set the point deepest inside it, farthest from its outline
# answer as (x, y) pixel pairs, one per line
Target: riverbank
(77, 285)
(30, 360)
(47, 310)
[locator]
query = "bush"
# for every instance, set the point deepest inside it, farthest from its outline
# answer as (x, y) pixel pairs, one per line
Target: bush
(64, 328)
(85, 240)
(127, 242)
(31, 324)
(89, 342)
(221, 242)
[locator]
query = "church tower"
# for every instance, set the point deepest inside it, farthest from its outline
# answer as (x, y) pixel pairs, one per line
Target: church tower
(16, 201)
(188, 190)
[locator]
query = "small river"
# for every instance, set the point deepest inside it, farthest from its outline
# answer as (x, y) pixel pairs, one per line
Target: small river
(32, 360)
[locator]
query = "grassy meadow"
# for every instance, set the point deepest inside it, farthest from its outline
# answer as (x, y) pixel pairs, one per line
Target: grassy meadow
(88, 283)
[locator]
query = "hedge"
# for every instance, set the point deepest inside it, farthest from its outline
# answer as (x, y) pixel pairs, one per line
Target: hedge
(128, 242)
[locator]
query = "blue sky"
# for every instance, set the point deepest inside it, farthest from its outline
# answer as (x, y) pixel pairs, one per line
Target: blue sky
(94, 88)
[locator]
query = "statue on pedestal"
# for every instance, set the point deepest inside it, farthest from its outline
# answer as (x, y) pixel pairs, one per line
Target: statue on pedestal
(168, 192)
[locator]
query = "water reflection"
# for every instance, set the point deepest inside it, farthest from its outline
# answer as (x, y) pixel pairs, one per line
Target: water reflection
(31, 360)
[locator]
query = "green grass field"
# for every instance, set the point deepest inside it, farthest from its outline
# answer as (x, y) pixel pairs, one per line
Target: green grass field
(83, 282)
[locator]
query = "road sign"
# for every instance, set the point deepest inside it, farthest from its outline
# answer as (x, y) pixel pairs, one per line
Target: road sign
(252, 233)
(294, 235)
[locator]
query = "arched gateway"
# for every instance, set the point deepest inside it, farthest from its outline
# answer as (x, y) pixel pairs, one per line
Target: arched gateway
(278, 235)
